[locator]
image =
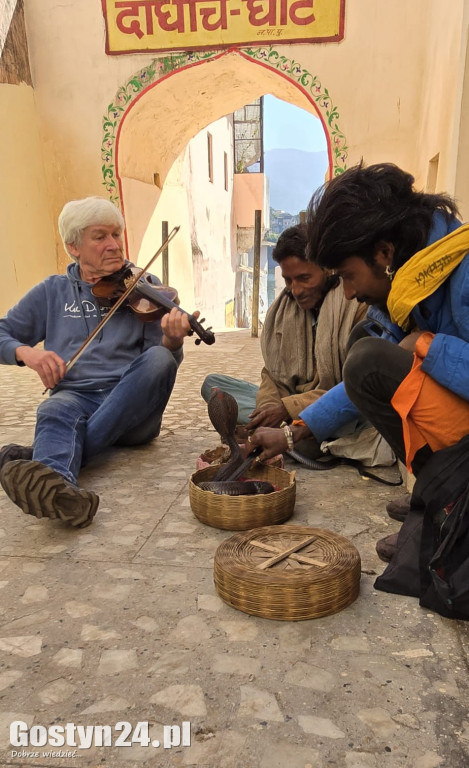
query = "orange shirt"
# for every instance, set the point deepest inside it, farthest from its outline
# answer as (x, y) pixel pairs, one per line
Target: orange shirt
(430, 413)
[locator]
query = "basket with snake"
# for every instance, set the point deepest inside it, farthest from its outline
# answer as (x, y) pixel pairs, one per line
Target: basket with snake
(241, 493)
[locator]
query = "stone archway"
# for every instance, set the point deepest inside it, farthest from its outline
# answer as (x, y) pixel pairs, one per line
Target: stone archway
(304, 89)
(150, 123)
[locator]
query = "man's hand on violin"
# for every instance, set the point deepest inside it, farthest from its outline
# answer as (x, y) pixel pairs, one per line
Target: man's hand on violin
(47, 364)
(268, 416)
(175, 326)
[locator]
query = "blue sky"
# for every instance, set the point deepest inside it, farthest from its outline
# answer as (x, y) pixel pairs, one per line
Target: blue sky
(289, 127)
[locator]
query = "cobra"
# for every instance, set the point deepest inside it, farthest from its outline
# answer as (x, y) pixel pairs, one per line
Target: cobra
(223, 413)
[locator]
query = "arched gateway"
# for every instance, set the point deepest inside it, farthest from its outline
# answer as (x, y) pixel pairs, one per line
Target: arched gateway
(140, 134)
(150, 122)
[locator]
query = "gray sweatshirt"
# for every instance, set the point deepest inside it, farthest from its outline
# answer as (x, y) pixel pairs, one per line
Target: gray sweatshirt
(62, 312)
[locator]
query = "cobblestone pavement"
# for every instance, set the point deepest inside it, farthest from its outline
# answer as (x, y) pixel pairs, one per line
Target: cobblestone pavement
(120, 622)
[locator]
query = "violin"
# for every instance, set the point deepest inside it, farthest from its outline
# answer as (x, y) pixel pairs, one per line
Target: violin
(148, 301)
(121, 292)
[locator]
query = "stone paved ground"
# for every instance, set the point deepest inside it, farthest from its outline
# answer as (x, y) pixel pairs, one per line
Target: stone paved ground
(120, 621)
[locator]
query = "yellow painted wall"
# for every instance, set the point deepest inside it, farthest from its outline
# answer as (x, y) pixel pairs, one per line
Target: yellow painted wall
(460, 143)
(27, 243)
(392, 79)
(441, 83)
(397, 80)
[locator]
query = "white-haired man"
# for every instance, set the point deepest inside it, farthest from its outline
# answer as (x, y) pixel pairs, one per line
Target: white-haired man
(88, 408)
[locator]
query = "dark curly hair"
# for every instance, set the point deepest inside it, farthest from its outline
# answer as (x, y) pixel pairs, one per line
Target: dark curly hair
(292, 242)
(351, 213)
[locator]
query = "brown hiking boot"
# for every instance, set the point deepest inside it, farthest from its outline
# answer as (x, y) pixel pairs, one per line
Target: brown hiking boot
(40, 491)
(386, 548)
(399, 508)
(13, 452)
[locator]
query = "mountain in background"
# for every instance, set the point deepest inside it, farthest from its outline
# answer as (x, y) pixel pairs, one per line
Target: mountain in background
(293, 177)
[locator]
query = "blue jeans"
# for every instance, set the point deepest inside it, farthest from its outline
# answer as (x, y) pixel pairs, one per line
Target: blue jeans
(243, 392)
(72, 426)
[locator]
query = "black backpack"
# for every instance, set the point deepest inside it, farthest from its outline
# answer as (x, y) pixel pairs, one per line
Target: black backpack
(432, 557)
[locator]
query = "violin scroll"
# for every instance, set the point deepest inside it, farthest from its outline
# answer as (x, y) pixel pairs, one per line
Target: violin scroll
(208, 336)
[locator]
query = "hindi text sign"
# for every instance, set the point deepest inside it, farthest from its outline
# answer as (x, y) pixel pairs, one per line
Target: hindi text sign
(134, 26)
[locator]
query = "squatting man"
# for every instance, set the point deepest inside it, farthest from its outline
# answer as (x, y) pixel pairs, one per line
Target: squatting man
(118, 389)
(405, 253)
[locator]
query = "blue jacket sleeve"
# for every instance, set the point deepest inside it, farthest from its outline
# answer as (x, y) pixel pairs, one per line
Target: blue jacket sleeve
(447, 361)
(332, 411)
(24, 324)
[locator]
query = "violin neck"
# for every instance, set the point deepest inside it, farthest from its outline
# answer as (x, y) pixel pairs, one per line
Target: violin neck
(151, 292)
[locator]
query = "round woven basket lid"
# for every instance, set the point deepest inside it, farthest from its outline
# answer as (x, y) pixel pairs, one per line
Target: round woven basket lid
(287, 572)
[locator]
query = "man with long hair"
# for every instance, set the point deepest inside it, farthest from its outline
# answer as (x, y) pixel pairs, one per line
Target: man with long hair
(406, 254)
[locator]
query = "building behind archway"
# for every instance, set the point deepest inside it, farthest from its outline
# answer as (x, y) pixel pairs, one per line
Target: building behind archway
(82, 122)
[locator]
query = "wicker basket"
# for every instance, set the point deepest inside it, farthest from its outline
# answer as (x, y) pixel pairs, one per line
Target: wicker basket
(239, 513)
(288, 573)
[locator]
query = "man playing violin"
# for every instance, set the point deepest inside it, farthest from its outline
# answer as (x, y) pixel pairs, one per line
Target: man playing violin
(118, 389)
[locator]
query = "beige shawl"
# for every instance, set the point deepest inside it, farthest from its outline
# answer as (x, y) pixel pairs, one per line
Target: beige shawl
(291, 358)
(298, 374)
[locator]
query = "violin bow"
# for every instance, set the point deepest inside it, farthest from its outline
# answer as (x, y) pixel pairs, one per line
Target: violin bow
(133, 282)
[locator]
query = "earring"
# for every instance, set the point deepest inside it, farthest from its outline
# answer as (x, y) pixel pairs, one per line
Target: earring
(389, 272)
